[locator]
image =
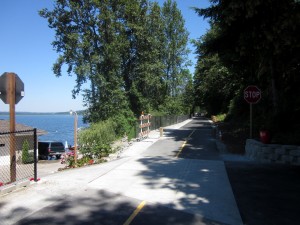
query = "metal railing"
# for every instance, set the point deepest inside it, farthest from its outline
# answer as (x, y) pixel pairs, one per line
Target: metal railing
(162, 121)
(18, 156)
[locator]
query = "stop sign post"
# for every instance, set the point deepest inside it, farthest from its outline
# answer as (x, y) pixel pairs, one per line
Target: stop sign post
(252, 95)
(11, 92)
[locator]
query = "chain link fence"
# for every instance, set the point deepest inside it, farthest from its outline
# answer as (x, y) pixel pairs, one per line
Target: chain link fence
(163, 121)
(18, 156)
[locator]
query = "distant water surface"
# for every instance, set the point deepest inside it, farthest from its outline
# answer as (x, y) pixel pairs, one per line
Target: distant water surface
(58, 127)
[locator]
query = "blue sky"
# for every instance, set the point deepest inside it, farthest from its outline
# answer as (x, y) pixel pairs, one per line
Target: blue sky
(25, 49)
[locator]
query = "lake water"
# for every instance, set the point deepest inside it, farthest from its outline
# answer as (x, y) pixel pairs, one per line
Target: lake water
(58, 127)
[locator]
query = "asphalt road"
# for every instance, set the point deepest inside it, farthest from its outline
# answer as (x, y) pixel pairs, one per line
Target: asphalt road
(266, 194)
(179, 179)
(101, 207)
(162, 185)
(196, 137)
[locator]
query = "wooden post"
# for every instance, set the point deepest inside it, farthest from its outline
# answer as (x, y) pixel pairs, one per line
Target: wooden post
(161, 131)
(12, 118)
(75, 138)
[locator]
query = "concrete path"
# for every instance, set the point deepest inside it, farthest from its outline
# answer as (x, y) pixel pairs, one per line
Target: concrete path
(149, 184)
(195, 186)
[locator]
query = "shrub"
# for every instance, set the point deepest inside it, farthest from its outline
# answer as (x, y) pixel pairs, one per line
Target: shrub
(95, 141)
(221, 117)
(85, 161)
(124, 125)
(27, 157)
(68, 158)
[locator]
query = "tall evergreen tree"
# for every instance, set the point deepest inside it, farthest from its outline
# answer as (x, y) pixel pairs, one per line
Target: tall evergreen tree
(175, 52)
(111, 98)
(87, 38)
(132, 52)
(143, 61)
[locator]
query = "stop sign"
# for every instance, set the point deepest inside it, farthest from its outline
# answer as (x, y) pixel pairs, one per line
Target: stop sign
(19, 88)
(252, 94)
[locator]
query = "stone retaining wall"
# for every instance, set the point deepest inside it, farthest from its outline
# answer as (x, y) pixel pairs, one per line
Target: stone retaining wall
(273, 153)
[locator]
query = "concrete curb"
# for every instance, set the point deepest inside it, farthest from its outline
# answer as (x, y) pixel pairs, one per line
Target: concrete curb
(221, 146)
(13, 187)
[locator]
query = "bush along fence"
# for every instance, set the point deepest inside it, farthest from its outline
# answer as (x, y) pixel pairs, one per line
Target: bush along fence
(146, 123)
(18, 157)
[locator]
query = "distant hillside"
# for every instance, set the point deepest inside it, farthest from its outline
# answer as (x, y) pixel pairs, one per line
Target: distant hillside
(80, 112)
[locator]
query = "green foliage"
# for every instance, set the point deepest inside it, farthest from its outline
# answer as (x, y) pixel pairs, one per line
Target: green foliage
(157, 113)
(188, 96)
(69, 160)
(251, 42)
(27, 157)
(97, 150)
(95, 141)
(133, 53)
(125, 125)
(175, 49)
(173, 106)
(146, 88)
(221, 117)
(83, 161)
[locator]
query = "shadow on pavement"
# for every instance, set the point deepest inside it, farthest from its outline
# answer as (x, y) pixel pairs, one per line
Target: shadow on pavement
(105, 208)
(177, 191)
(200, 186)
(91, 207)
(266, 193)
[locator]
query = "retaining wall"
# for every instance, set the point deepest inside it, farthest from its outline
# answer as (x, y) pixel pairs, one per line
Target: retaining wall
(273, 153)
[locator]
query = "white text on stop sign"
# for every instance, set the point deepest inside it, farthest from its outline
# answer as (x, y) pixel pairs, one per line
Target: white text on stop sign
(252, 94)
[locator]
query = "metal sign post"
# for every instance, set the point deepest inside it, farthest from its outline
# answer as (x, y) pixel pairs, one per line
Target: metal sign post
(252, 95)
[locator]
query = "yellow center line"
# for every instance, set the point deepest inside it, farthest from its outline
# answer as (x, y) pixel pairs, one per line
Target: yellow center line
(191, 133)
(184, 143)
(180, 150)
(134, 214)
